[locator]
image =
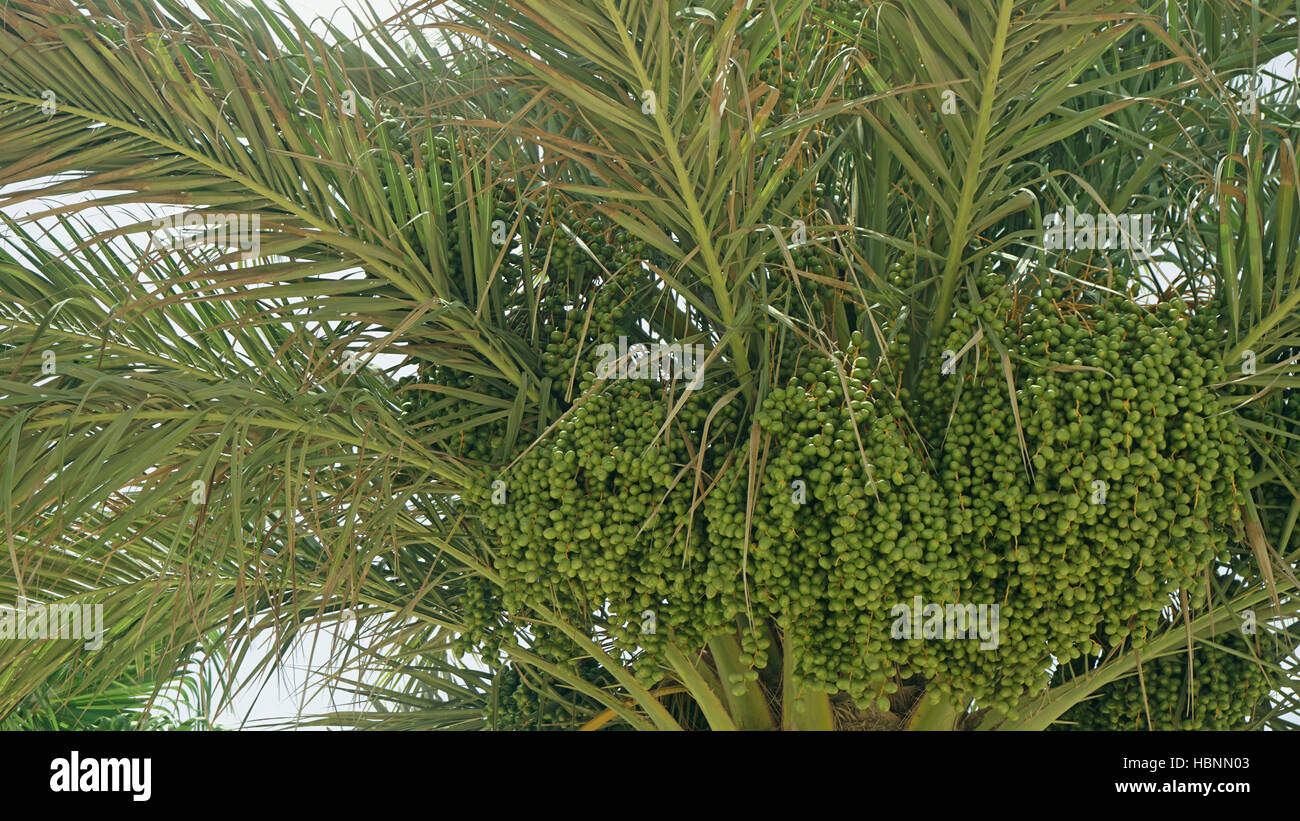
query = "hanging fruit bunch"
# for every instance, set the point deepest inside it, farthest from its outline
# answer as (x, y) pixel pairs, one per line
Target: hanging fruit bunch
(847, 523)
(526, 699)
(1110, 482)
(599, 514)
(1221, 689)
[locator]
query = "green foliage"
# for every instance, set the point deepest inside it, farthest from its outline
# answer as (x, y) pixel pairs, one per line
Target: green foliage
(827, 196)
(135, 701)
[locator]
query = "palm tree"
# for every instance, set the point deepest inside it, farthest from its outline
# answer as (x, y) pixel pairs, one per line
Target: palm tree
(443, 217)
(137, 699)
